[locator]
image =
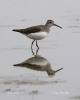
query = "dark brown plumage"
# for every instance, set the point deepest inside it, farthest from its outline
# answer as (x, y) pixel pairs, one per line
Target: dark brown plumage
(33, 29)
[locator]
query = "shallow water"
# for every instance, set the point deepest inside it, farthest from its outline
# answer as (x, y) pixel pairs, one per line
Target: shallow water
(61, 49)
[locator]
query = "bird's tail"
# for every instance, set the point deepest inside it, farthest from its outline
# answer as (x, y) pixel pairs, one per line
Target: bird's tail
(16, 65)
(20, 30)
(16, 30)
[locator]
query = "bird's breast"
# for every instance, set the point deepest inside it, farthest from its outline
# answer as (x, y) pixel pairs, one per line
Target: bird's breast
(37, 35)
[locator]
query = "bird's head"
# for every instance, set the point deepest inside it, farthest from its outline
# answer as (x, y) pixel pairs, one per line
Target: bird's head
(51, 23)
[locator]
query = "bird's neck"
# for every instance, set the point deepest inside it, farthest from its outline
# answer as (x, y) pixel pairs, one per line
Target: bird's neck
(48, 26)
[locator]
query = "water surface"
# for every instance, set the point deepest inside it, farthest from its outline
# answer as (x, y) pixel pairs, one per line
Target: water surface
(61, 48)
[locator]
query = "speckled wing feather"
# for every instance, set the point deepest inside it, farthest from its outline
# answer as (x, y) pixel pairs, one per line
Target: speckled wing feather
(29, 30)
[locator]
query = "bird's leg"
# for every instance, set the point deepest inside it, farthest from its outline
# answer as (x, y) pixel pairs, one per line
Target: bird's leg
(37, 51)
(37, 44)
(32, 43)
(32, 52)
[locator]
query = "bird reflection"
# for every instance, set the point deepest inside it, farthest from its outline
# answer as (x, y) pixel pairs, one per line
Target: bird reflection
(38, 63)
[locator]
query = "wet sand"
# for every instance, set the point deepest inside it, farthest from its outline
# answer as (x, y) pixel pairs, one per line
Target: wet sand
(61, 49)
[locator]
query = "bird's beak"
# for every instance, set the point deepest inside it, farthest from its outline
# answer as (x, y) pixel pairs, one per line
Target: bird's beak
(58, 69)
(58, 26)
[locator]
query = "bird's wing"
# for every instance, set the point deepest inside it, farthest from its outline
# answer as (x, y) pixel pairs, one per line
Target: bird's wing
(29, 30)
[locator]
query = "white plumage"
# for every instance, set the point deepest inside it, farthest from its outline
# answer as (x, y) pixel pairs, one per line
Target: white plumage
(37, 35)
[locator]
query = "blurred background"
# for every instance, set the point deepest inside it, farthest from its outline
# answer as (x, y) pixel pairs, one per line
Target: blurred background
(61, 48)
